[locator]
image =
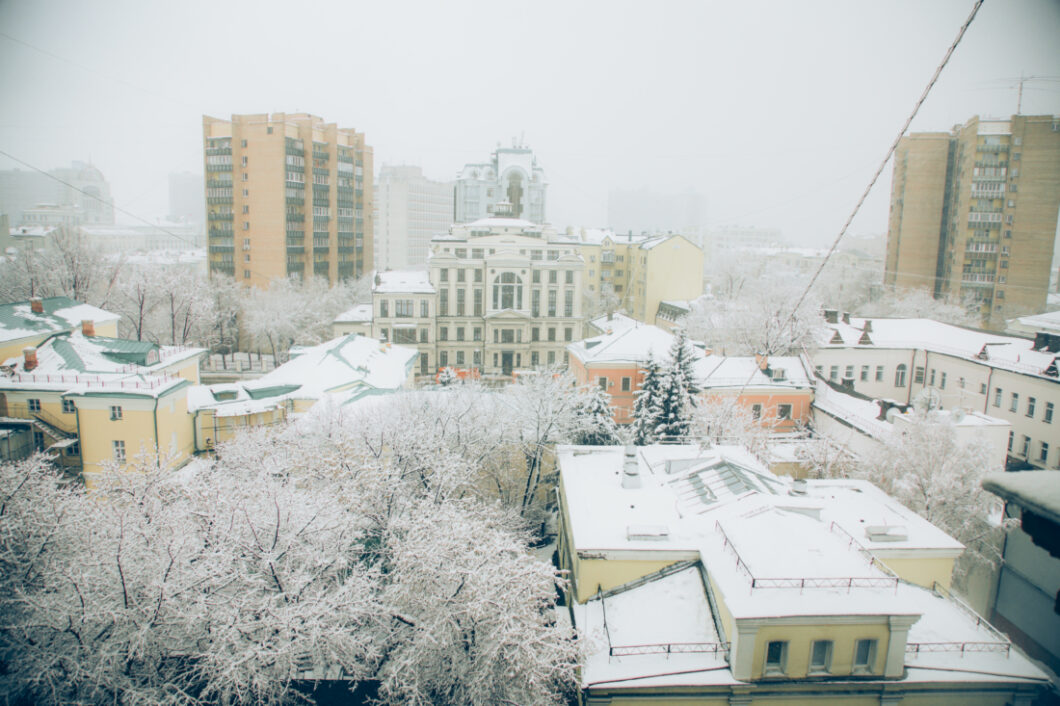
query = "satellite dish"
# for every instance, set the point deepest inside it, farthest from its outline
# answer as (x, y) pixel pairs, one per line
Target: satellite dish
(958, 415)
(927, 400)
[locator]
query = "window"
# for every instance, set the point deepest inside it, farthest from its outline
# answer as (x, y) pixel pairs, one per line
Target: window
(443, 275)
(552, 357)
(918, 375)
(569, 277)
(1030, 407)
(425, 309)
(443, 359)
(997, 396)
(460, 357)
(552, 302)
(384, 334)
(568, 334)
(535, 359)
(899, 376)
(115, 412)
(33, 405)
(38, 440)
(68, 407)
(384, 309)
(551, 334)
(73, 449)
(1011, 436)
(443, 302)
(568, 303)
(476, 333)
(849, 372)
(776, 656)
(423, 335)
(537, 277)
(460, 333)
(756, 411)
(1044, 456)
(443, 333)
(553, 277)
(403, 308)
(535, 334)
(864, 655)
(535, 302)
(423, 363)
(932, 382)
(1015, 402)
(1026, 446)
(119, 451)
(982, 388)
(1048, 418)
(879, 373)
(942, 381)
(833, 372)
(404, 335)
(783, 411)
(478, 302)
(864, 373)
(602, 382)
(460, 300)
(476, 358)
(626, 384)
(821, 656)
(460, 276)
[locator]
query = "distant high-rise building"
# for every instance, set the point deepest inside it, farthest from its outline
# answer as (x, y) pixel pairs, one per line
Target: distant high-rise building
(186, 203)
(642, 211)
(974, 213)
(410, 209)
(79, 190)
(262, 223)
(510, 177)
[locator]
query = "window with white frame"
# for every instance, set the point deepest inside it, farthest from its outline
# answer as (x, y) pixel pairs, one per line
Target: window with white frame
(115, 412)
(864, 655)
(776, 656)
(119, 450)
(821, 656)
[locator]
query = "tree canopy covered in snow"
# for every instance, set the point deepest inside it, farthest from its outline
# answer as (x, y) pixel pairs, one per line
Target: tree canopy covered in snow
(298, 555)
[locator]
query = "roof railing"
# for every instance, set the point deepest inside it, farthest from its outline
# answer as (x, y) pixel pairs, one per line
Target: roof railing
(670, 648)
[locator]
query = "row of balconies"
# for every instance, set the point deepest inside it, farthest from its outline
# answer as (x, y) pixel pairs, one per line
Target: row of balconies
(991, 148)
(226, 267)
(219, 216)
(218, 167)
(222, 247)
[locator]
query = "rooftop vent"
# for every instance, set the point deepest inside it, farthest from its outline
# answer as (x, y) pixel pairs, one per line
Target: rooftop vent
(36, 305)
(887, 533)
(798, 487)
(648, 533)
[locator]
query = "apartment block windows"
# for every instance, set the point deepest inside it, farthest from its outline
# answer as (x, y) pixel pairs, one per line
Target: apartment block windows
(423, 335)
(1015, 402)
(626, 384)
(443, 359)
(1025, 447)
(899, 376)
(115, 412)
(849, 372)
(68, 407)
(1044, 455)
(864, 373)
(997, 396)
(783, 411)
(879, 373)
(932, 383)
(535, 334)
(1030, 407)
(552, 277)
(833, 372)
(535, 302)
(1048, 418)
(33, 405)
(551, 334)
(1011, 437)
(476, 334)
(776, 656)
(942, 381)
(119, 450)
(864, 655)
(821, 656)
(918, 375)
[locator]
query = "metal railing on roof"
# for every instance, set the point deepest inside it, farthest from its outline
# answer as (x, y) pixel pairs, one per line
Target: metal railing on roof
(151, 382)
(915, 648)
(669, 648)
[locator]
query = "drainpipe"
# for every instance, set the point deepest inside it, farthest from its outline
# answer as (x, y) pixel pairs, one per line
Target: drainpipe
(909, 383)
(158, 451)
(986, 402)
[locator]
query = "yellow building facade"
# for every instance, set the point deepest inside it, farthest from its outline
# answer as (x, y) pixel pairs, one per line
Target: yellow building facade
(287, 194)
(702, 578)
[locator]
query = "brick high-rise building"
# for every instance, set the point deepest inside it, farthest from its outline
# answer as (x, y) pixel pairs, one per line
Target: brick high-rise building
(974, 213)
(287, 194)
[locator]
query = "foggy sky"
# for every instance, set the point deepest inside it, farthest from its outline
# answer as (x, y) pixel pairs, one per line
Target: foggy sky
(778, 112)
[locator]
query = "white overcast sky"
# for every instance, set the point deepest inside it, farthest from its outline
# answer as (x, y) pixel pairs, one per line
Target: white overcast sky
(777, 112)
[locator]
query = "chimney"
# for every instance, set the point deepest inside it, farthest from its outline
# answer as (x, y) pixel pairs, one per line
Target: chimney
(846, 318)
(36, 305)
(762, 361)
(30, 354)
(831, 316)
(610, 314)
(88, 327)
(630, 469)
(867, 328)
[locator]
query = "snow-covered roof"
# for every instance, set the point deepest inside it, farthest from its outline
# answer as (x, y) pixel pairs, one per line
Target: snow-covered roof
(773, 548)
(349, 366)
(996, 350)
(1038, 491)
(402, 282)
(76, 364)
(716, 372)
(624, 340)
(362, 313)
(853, 409)
(17, 319)
(500, 222)
(1048, 322)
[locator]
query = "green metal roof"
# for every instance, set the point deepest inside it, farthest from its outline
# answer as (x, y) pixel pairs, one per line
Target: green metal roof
(17, 319)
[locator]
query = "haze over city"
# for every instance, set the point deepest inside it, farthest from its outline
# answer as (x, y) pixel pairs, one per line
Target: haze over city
(776, 113)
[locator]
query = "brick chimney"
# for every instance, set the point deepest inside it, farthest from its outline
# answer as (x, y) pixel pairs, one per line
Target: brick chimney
(36, 305)
(762, 361)
(30, 355)
(88, 327)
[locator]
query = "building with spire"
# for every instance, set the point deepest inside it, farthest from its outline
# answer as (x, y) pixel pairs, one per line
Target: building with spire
(511, 177)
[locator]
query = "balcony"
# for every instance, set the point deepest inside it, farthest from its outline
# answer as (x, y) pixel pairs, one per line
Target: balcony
(296, 218)
(293, 267)
(988, 216)
(296, 200)
(221, 247)
(976, 279)
(991, 148)
(218, 167)
(320, 268)
(980, 247)
(225, 267)
(210, 151)
(295, 249)
(218, 216)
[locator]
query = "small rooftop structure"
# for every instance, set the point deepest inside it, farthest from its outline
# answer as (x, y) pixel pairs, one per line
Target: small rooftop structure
(21, 320)
(402, 282)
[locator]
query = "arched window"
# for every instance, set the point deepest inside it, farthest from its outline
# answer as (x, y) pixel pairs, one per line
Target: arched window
(507, 291)
(899, 376)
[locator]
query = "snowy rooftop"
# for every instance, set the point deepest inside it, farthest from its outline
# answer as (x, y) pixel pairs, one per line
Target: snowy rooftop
(76, 364)
(498, 222)
(403, 282)
(17, 319)
(362, 313)
(1048, 322)
(715, 371)
(352, 365)
(1038, 491)
(624, 340)
(993, 349)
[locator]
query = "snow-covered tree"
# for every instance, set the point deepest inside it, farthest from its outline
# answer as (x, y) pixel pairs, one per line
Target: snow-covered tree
(136, 296)
(647, 405)
(596, 421)
(447, 376)
(723, 420)
(925, 468)
(920, 304)
(66, 266)
(760, 319)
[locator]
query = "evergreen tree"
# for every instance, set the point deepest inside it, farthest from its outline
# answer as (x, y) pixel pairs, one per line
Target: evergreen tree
(646, 408)
(676, 400)
(597, 423)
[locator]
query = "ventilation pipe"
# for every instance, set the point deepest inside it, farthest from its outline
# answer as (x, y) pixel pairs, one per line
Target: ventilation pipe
(630, 469)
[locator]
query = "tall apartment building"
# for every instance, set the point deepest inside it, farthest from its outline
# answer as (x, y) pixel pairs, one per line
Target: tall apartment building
(262, 223)
(410, 209)
(510, 177)
(974, 213)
